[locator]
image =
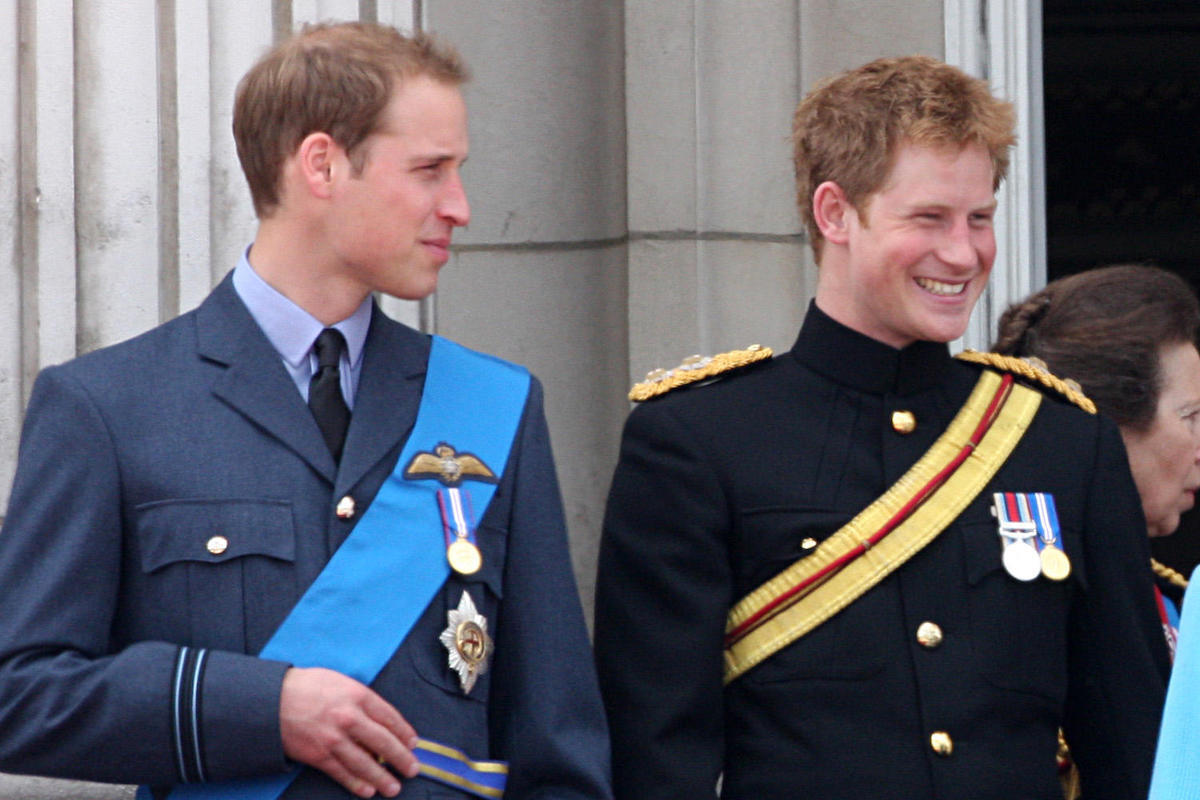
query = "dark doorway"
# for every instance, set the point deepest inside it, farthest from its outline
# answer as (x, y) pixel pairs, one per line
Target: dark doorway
(1122, 110)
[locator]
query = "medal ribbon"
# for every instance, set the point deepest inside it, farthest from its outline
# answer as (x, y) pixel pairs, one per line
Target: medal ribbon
(889, 531)
(455, 522)
(1169, 617)
(377, 585)
(1016, 520)
(1045, 514)
(1030, 520)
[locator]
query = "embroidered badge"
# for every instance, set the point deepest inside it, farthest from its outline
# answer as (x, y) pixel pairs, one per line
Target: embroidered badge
(448, 466)
(467, 640)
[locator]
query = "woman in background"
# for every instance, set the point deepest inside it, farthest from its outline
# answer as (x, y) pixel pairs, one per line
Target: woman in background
(1127, 335)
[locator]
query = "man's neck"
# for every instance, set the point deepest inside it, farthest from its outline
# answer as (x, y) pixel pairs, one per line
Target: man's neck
(299, 267)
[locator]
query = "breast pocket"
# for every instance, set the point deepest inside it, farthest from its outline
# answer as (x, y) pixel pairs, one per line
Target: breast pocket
(475, 601)
(219, 573)
(1018, 628)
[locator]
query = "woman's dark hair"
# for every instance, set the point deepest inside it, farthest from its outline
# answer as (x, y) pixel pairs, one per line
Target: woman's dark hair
(1105, 329)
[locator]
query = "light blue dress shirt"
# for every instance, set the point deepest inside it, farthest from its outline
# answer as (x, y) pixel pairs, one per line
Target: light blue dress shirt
(292, 330)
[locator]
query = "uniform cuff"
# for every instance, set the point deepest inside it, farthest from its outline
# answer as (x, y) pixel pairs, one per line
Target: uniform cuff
(225, 715)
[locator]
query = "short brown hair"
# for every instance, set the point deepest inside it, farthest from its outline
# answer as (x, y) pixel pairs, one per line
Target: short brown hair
(1105, 328)
(848, 129)
(337, 78)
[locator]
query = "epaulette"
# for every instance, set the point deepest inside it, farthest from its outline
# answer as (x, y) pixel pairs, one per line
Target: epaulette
(695, 368)
(1033, 369)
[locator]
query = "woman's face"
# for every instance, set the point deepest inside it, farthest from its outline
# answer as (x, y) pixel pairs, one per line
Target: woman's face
(1165, 458)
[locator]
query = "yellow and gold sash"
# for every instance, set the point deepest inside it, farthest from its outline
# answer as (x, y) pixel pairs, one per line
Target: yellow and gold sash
(911, 514)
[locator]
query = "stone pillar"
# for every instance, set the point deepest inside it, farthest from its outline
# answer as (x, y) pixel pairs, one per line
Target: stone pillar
(539, 276)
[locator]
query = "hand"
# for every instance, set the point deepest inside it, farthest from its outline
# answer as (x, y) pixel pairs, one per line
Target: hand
(341, 727)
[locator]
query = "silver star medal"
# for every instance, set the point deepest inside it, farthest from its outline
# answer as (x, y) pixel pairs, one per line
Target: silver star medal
(467, 639)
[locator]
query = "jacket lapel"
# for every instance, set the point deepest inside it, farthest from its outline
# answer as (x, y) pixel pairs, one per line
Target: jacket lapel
(389, 393)
(255, 382)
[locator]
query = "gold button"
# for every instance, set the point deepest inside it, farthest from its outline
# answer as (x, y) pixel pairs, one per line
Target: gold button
(217, 545)
(929, 634)
(904, 421)
(941, 743)
(345, 507)
(809, 543)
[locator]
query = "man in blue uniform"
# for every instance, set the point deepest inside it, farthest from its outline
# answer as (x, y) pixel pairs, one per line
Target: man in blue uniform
(864, 568)
(257, 543)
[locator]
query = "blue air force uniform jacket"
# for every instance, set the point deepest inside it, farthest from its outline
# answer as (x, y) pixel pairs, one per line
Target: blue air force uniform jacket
(134, 457)
(717, 490)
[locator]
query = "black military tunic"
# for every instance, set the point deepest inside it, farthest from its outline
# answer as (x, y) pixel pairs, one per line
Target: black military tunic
(947, 680)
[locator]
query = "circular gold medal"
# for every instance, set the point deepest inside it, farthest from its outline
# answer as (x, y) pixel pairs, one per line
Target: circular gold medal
(1055, 564)
(464, 557)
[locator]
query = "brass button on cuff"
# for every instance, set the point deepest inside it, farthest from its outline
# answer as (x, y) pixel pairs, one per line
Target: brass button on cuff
(345, 508)
(929, 634)
(217, 545)
(941, 743)
(904, 422)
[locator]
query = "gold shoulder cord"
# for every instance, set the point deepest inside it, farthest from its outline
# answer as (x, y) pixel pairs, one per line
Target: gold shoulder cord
(1033, 369)
(1166, 573)
(695, 368)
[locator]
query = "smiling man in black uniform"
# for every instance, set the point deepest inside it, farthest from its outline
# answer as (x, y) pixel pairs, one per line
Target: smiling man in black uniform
(864, 568)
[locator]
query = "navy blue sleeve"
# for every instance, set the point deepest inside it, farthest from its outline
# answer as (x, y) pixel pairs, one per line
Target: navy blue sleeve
(546, 716)
(73, 702)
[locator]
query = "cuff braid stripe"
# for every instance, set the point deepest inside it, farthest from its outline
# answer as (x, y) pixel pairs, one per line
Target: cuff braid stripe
(185, 713)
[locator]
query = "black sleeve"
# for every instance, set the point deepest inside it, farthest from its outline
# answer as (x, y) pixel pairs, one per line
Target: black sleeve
(662, 594)
(1118, 656)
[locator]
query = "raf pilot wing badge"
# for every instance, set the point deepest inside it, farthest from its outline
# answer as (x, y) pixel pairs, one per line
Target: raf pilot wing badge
(449, 467)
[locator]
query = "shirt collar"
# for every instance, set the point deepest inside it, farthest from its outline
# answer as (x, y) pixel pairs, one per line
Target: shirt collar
(853, 359)
(291, 329)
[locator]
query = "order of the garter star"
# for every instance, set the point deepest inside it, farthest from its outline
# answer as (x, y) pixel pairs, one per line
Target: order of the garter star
(467, 640)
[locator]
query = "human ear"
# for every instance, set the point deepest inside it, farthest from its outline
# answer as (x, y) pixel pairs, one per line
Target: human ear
(315, 159)
(831, 211)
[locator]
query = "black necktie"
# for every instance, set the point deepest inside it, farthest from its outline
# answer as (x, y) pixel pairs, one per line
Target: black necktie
(325, 391)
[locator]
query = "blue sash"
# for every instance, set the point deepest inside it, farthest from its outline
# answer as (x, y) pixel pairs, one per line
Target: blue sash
(347, 620)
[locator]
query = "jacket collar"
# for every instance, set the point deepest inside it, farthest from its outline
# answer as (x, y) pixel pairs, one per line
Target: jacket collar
(852, 359)
(256, 385)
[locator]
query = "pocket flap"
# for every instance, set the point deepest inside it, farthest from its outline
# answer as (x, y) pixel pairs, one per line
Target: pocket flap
(212, 531)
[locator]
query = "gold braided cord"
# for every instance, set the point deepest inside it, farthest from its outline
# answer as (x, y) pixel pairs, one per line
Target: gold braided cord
(1167, 574)
(1033, 369)
(695, 368)
(1068, 776)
